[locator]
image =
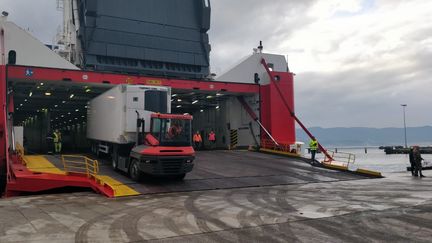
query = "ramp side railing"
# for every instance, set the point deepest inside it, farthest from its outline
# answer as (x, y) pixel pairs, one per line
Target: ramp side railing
(19, 149)
(76, 164)
(345, 158)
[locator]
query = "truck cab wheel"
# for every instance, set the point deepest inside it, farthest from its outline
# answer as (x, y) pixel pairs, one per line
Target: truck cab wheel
(114, 163)
(114, 160)
(179, 177)
(134, 171)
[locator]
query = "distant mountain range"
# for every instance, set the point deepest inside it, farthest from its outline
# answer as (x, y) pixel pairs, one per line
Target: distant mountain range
(363, 136)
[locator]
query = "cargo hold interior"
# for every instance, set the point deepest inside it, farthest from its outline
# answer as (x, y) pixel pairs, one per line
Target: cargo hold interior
(42, 107)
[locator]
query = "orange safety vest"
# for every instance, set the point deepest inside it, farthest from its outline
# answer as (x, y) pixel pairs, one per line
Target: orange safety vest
(212, 136)
(197, 138)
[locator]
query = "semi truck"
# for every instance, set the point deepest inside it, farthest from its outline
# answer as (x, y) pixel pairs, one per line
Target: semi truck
(132, 125)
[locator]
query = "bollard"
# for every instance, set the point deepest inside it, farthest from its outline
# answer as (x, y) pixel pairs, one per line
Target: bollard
(335, 150)
(365, 150)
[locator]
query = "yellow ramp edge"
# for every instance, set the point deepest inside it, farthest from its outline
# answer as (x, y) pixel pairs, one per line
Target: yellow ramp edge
(369, 172)
(278, 152)
(333, 166)
(120, 189)
(38, 163)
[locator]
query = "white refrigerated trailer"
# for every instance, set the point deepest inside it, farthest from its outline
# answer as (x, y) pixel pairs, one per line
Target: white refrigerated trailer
(126, 123)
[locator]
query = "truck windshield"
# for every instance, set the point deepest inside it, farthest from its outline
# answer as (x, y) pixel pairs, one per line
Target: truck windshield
(172, 132)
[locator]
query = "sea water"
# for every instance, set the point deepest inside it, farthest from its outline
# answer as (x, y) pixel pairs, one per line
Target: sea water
(376, 159)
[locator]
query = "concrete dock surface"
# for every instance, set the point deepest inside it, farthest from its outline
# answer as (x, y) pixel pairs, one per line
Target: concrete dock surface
(397, 208)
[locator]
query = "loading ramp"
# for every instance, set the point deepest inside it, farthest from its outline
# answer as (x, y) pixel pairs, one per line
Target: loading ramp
(221, 169)
(225, 169)
(36, 173)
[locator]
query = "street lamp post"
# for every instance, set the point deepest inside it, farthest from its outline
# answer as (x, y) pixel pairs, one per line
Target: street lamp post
(404, 106)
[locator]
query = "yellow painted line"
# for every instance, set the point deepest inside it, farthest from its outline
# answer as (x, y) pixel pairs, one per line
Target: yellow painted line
(38, 163)
(278, 152)
(120, 189)
(369, 172)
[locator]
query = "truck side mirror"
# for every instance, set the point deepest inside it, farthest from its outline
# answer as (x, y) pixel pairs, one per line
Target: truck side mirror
(12, 57)
(256, 78)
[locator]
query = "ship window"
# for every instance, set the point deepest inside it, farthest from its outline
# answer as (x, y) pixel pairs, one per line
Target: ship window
(135, 99)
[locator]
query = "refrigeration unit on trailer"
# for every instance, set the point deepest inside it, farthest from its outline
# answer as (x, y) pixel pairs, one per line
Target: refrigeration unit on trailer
(130, 123)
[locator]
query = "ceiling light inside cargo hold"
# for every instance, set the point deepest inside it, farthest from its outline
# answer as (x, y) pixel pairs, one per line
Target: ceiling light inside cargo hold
(217, 107)
(179, 106)
(48, 93)
(194, 102)
(219, 94)
(30, 94)
(179, 100)
(71, 96)
(209, 96)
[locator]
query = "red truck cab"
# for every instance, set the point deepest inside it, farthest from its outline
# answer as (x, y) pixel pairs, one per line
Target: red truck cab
(167, 149)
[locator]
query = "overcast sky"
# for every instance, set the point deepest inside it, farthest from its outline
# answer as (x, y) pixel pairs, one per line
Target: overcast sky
(355, 61)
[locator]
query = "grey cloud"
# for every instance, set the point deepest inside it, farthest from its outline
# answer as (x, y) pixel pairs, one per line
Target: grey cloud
(360, 97)
(238, 26)
(38, 17)
(364, 90)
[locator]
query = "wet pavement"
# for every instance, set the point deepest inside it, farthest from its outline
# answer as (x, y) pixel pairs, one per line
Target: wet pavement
(318, 206)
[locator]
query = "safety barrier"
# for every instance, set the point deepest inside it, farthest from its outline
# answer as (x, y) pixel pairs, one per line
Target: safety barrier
(20, 152)
(76, 164)
(233, 138)
(19, 149)
(345, 158)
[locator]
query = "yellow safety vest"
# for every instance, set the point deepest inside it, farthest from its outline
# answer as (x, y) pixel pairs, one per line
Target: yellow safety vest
(57, 137)
(313, 145)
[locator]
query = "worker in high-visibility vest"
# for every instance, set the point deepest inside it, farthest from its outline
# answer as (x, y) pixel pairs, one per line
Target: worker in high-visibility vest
(57, 139)
(212, 139)
(197, 139)
(313, 146)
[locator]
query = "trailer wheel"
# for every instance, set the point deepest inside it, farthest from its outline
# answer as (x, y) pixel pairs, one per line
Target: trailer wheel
(93, 148)
(134, 171)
